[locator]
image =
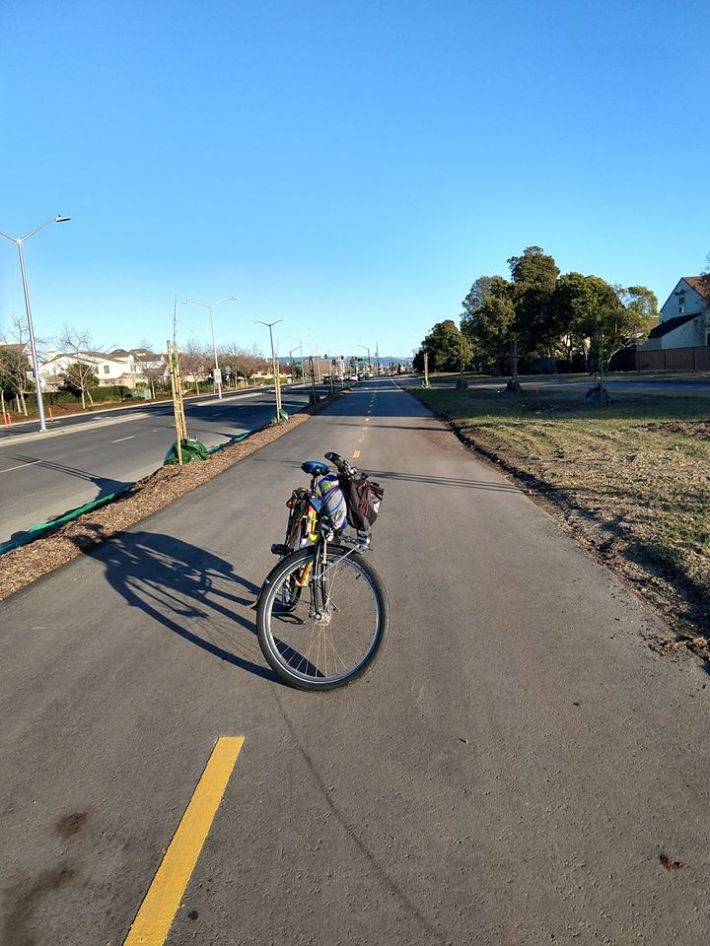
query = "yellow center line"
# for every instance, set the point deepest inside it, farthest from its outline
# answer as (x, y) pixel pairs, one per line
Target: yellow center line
(356, 454)
(155, 916)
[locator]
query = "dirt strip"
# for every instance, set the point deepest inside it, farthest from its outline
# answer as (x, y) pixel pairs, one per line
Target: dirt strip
(24, 565)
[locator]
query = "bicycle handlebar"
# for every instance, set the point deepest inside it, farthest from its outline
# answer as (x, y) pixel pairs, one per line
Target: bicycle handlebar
(340, 464)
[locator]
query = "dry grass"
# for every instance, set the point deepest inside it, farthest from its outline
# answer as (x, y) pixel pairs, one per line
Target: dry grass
(630, 479)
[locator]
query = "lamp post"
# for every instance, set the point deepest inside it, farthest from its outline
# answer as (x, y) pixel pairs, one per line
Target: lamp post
(18, 241)
(369, 363)
(290, 355)
(277, 380)
(209, 306)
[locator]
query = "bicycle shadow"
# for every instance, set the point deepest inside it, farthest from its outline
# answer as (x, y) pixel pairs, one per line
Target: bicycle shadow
(187, 589)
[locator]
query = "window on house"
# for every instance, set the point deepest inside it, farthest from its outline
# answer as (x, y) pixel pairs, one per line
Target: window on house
(681, 308)
(106, 369)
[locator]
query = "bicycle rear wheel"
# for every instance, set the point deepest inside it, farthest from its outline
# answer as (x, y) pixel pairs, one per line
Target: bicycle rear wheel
(334, 630)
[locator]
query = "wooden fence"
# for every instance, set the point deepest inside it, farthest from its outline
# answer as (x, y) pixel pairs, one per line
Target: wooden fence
(674, 359)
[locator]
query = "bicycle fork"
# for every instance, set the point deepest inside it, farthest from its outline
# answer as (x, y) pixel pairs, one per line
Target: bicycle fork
(320, 607)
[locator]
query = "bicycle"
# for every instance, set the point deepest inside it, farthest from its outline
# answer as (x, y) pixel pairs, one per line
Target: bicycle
(323, 612)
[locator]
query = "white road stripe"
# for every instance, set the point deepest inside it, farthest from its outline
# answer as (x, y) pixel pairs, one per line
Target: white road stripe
(121, 439)
(10, 469)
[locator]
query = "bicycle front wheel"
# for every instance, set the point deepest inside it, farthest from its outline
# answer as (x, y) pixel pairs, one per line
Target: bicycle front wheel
(334, 629)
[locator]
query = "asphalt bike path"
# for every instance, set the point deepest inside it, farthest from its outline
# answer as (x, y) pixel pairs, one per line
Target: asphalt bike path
(520, 767)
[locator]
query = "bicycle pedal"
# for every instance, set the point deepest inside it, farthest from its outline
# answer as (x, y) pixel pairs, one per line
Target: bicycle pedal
(280, 549)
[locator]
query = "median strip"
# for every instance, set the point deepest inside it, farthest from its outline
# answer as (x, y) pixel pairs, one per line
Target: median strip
(24, 560)
(157, 912)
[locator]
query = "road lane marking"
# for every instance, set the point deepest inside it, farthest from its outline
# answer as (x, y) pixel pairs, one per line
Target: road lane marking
(356, 454)
(11, 468)
(121, 439)
(155, 916)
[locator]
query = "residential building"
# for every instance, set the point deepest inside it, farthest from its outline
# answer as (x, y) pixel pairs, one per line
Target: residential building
(128, 368)
(681, 340)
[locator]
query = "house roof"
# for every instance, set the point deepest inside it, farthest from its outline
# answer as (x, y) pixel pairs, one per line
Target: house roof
(97, 355)
(145, 353)
(701, 284)
(670, 325)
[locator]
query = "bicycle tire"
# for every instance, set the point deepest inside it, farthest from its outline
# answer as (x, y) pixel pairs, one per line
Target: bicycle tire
(335, 649)
(290, 594)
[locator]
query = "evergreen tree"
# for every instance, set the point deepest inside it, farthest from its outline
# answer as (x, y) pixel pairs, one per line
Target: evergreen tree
(447, 346)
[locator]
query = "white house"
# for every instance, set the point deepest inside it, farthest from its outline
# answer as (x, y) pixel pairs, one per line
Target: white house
(682, 338)
(122, 367)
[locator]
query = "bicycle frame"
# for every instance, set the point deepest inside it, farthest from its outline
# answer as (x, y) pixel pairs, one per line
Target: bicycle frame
(313, 588)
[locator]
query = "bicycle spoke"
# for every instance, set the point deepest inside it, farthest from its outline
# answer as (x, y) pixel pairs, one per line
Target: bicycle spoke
(330, 630)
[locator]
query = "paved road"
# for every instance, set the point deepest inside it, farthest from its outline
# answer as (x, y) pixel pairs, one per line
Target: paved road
(45, 475)
(519, 769)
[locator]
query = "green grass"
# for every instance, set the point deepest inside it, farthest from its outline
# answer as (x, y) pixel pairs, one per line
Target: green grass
(637, 470)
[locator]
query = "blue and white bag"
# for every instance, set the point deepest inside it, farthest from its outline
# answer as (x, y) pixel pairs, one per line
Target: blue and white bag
(333, 500)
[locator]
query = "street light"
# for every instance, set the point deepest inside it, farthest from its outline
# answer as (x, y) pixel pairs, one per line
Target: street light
(369, 363)
(290, 357)
(18, 241)
(209, 306)
(277, 384)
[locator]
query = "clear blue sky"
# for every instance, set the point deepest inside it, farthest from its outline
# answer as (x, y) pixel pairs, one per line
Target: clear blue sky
(349, 168)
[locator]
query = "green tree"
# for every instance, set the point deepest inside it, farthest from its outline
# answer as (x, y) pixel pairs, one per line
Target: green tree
(478, 292)
(637, 315)
(14, 370)
(587, 314)
(490, 326)
(15, 367)
(534, 276)
(534, 270)
(447, 346)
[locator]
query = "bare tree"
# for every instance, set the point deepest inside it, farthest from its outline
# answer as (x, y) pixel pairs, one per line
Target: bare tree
(15, 364)
(78, 344)
(237, 361)
(149, 365)
(195, 361)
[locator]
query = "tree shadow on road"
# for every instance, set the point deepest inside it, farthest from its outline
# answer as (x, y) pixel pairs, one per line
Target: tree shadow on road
(187, 589)
(450, 481)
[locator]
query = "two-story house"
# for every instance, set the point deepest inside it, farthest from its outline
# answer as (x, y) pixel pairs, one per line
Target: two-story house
(681, 340)
(120, 367)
